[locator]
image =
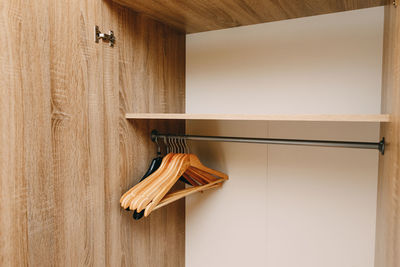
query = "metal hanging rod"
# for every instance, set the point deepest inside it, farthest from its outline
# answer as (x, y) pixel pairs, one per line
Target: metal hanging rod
(323, 143)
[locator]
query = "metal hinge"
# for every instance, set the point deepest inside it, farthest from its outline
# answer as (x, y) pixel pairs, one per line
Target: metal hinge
(395, 3)
(110, 37)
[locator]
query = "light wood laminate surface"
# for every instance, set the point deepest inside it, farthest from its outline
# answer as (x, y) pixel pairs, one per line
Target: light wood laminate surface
(67, 151)
(388, 210)
(206, 15)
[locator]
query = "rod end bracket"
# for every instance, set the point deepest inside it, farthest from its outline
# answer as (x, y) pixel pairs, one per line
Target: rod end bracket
(153, 135)
(381, 146)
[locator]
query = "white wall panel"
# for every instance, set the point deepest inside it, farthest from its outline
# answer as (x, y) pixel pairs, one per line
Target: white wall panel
(286, 206)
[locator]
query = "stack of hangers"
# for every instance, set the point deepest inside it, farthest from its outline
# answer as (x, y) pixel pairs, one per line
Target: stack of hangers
(151, 192)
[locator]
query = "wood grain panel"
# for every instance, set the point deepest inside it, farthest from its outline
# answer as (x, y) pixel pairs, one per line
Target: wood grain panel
(161, 62)
(77, 132)
(388, 211)
(13, 182)
(206, 15)
(67, 151)
(114, 250)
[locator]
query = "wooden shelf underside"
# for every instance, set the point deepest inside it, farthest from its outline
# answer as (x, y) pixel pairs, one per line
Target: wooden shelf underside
(206, 15)
(270, 117)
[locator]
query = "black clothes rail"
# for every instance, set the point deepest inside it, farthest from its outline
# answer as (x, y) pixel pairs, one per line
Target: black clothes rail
(322, 143)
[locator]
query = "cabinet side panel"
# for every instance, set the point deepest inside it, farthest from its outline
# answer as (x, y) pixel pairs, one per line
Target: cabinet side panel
(152, 80)
(388, 211)
(13, 183)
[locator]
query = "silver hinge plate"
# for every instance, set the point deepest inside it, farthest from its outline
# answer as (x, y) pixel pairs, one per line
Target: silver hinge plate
(110, 37)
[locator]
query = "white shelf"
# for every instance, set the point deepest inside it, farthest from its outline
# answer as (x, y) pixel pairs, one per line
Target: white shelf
(266, 117)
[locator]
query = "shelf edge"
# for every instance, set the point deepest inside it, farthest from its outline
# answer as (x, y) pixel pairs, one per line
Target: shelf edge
(271, 117)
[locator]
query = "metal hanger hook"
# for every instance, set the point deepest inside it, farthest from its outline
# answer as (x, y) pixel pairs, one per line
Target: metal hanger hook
(182, 141)
(186, 145)
(171, 144)
(178, 140)
(176, 145)
(178, 148)
(166, 145)
(171, 141)
(158, 146)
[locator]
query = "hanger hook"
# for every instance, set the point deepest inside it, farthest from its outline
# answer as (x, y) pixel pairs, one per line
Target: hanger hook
(166, 144)
(171, 139)
(170, 142)
(183, 144)
(186, 145)
(178, 149)
(178, 145)
(175, 146)
(179, 139)
(158, 145)
(178, 142)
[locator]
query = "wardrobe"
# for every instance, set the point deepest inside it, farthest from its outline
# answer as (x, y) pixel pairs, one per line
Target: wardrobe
(84, 83)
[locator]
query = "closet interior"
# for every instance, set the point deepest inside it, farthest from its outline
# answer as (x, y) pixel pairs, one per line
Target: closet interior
(199, 17)
(82, 118)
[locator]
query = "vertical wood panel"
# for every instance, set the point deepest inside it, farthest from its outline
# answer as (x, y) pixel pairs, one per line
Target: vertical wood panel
(78, 135)
(13, 184)
(388, 212)
(161, 61)
(67, 151)
(37, 129)
(112, 187)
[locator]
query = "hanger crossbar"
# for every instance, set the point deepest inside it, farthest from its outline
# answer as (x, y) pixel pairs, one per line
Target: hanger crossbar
(321, 143)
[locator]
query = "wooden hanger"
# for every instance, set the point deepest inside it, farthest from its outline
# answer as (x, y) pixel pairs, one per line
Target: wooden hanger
(185, 192)
(189, 179)
(176, 171)
(173, 171)
(125, 199)
(201, 178)
(193, 161)
(168, 163)
(151, 193)
(136, 196)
